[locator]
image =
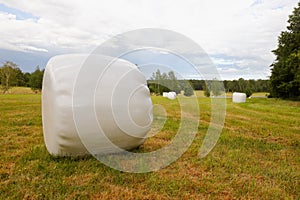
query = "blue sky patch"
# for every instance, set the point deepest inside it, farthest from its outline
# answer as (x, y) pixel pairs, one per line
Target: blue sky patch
(20, 15)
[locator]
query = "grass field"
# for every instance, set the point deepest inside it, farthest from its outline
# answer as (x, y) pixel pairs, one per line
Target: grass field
(199, 93)
(21, 90)
(256, 157)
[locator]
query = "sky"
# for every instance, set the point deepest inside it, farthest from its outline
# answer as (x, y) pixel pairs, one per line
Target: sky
(237, 35)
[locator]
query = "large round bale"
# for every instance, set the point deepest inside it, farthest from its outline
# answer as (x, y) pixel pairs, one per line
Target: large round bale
(122, 106)
(238, 97)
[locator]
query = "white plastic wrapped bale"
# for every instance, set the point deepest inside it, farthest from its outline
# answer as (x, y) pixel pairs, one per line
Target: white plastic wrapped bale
(238, 97)
(172, 95)
(165, 94)
(116, 116)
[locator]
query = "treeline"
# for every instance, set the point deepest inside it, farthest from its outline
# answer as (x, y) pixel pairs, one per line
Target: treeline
(240, 85)
(11, 75)
(165, 82)
(236, 85)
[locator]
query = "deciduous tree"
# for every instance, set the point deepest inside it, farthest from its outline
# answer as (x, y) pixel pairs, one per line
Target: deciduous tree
(285, 78)
(7, 75)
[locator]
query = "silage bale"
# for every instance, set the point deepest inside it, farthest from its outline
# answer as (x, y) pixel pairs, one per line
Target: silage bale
(165, 94)
(238, 97)
(122, 106)
(172, 95)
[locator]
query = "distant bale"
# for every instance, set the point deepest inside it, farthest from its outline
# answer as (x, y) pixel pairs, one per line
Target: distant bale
(239, 97)
(172, 95)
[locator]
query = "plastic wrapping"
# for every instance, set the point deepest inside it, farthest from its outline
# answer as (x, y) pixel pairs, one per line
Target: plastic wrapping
(127, 113)
(172, 95)
(238, 97)
(165, 94)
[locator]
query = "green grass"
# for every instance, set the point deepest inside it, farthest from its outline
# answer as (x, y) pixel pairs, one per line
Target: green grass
(21, 90)
(200, 93)
(260, 94)
(255, 95)
(256, 157)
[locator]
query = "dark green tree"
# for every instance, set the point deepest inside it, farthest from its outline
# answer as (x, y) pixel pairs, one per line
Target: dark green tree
(20, 77)
(242, 85)
(27, 79)
(206, 91)
(245, 87)
(248, 91)
(197, 84)
(285, 78)
(174, 85)
(36, 79)
(188, 89)
(216, 87)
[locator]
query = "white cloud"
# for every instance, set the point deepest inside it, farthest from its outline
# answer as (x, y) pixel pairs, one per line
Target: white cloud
(244, 32)
(223, 61)
(7, 16)
(32, 48)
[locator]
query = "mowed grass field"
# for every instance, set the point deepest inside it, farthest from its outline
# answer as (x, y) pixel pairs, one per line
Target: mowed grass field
(256, 157)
